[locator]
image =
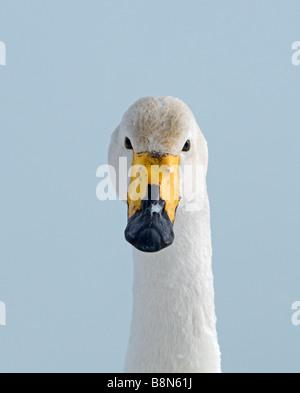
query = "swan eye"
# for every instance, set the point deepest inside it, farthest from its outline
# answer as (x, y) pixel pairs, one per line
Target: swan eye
(187, 146)
(128, 144)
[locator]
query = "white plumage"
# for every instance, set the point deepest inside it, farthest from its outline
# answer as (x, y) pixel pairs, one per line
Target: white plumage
(173, 323)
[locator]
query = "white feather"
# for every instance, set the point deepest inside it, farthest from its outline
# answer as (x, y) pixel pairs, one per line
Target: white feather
(173, 325)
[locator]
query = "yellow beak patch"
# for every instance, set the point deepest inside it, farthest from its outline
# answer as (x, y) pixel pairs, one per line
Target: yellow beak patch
(162, 171)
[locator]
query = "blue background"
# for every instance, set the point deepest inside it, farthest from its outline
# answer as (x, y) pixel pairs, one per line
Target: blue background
(73, 68)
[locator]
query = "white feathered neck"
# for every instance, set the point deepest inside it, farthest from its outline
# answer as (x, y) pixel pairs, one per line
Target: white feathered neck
(174, 325)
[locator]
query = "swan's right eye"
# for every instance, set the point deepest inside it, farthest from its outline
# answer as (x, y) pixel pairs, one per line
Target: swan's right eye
(128, 144)
(187, 146)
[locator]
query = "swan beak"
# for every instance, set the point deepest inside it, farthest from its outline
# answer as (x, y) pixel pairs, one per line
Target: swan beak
(153, 198)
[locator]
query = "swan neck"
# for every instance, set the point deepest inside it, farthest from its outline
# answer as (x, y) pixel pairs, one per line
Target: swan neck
(174, 324)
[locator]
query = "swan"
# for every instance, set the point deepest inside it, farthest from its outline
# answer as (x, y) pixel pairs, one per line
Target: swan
(173, 326)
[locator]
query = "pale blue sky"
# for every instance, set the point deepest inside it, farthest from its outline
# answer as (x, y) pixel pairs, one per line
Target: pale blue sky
(73, 68)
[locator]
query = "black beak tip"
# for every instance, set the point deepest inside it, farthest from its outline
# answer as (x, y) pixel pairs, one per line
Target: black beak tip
(150, 234)
(150, 231)
(148, 240)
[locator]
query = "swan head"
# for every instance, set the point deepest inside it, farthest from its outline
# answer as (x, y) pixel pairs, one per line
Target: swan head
(160, 137)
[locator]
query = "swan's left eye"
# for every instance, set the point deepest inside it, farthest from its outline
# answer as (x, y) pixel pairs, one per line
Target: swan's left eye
(187, 146)
(128, 144)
